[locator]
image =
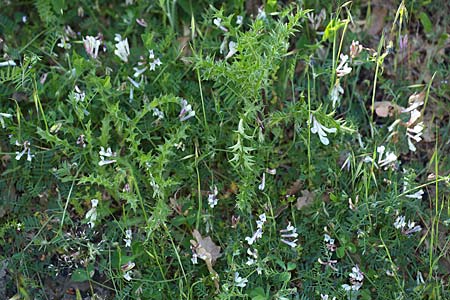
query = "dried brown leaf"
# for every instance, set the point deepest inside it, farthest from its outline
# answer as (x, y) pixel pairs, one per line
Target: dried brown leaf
(384, 109)
(208, 251)
(306, 199)
(207, 246)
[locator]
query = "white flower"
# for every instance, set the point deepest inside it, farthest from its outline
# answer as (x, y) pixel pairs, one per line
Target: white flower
(122, 48)
(232, 49)
(4, 115)
(413, 107)
(239, 20)
(415, 134)
(261, 14)
(328, 239)
(292, 244)
(194, 259)
(91, 45)
(212, 197)
(218, 23)
(79, 95)
(127, 275)
(400, 222)
(26, 148)
(107, 153)
(329, 263)
(128, 237)
(157, 113)
(258, 234)
(416, 195)
(253, 253)
(356, 274)
(262, 185)
(91, 215)
(250, 261)
(261, 221)
(155, 61)
(336, 93)
(289, 232)
(390, 158)
(271, 171)
(321, 130)
(7, 63)
(186, 111)
(239, 281)
(64, 43)
(343, 68)
(356, 279)
(141, 22)
(396, 122)
(133, 82)
(412, 228)
(326, 297)
(415, 115)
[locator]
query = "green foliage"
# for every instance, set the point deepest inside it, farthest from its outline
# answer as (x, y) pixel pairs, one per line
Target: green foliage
(227, 126)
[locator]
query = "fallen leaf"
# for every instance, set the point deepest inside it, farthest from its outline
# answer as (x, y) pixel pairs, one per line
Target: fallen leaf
(306, 199)
(208, 251)
(387, 108)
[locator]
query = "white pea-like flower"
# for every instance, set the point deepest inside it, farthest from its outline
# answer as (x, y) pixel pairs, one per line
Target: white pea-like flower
(104, 155)
(91, 45)
(239, 281)
(122, 48)
(321, 130)
(343, 68)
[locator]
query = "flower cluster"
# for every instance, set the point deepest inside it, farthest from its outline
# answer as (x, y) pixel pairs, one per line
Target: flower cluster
(320, 130)
(126, 269)
(356, 280)
(104, 155)
(91, 45)
(258, 233)
(186, 111)
(143, 64)
(212, 197)
(329, 242)
(400, 223)
(26, 148)
(122, 48)
(78, 94)
(239, 281)
(383, 161)
(128, 236)
(252, 256)
(343, 68)
(289, 233)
